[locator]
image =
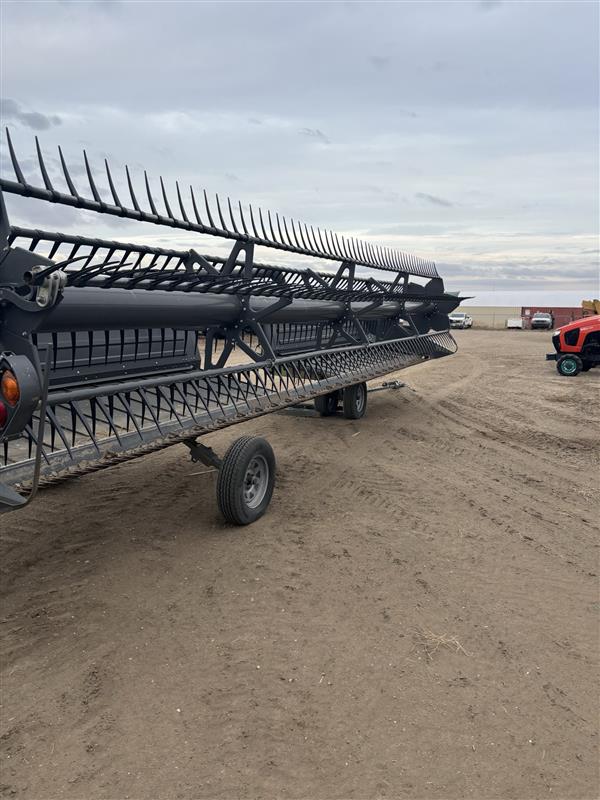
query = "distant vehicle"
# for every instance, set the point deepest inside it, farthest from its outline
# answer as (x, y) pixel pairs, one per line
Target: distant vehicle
(458, 319)
(541, 320)
(514, 322)
(577, 346)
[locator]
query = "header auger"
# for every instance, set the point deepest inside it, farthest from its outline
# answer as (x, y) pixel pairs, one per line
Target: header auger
(109, 349)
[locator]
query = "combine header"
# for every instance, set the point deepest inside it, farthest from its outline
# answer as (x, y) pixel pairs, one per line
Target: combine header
(111, 350)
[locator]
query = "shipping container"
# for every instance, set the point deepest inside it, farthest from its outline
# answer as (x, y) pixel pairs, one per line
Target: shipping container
(560, 315)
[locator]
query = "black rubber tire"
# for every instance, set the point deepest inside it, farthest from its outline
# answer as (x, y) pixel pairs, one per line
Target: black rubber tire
(230, 483)
(355, 401)
(569, 365)
(326, 404)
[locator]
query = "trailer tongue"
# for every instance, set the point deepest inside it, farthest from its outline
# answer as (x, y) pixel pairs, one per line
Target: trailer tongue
(110, 350)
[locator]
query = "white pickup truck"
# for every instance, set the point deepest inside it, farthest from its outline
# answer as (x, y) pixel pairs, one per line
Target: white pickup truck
(458, 319)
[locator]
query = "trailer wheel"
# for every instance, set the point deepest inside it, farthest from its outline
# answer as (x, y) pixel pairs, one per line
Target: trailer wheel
(246, 480)
(326, 404)
(569, 364)
(355, 401)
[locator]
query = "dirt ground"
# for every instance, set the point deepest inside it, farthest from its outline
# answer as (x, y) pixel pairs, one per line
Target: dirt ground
(415, 617)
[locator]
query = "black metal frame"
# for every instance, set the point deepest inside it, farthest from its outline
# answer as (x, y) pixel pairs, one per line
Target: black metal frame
(142, 344)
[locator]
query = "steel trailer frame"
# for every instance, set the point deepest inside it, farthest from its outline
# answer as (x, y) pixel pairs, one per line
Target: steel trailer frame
(120, 348)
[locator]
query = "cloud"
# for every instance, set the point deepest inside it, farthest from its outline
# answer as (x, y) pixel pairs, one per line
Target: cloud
(489, 5)
(380, 63)
(11, 110)
(314, 133)
(434, 199)
(474, 149)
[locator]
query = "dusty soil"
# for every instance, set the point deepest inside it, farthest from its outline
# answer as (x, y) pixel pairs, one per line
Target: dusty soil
(415, 617)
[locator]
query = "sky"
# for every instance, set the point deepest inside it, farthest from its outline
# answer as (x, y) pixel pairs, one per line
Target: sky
(466, 133)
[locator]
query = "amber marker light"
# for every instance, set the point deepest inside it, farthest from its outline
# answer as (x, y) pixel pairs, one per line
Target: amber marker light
(9, 387)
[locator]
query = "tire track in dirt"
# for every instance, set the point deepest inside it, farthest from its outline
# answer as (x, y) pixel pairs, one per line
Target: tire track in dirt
(153, 652)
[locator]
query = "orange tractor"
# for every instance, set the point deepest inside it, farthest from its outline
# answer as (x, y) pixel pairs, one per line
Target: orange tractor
(577, 346)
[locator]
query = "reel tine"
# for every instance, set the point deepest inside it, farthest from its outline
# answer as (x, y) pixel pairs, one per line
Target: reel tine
(329, 245)
(314, 239)
(15, 162)
(281, 236)
(194, 206)
(271, 227)
(256, 235)
(338, 249)
(287, 233)
(376, 259)
(223, 225)
(149, 193)
(300, 224)
(375, 255)
(389, 258)
(70, 184)
(59, 265)
(323, 249)
(165, 199)
(210, 219)
(231, 216)
(348, 246)
(90, 178)
(43, 170)
(242, 218)
(136, 205)
(181, 206)
(111, 186)
(262, 224)
(386, 257)
(294, 233)
(345, 249)
(358, 245)
(306, 238)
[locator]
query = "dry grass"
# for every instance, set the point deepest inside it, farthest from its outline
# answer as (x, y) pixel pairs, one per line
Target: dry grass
(432, 642)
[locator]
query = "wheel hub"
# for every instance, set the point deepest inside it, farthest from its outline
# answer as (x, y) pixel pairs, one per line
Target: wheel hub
(360, 399)
(256, 481)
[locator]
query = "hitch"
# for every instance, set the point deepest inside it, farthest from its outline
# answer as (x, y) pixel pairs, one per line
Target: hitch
(203, 454)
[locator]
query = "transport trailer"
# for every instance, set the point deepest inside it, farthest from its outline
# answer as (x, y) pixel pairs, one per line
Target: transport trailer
(109, 350)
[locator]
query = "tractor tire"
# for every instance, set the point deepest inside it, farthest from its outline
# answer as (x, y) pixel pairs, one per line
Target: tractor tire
(355, 401)
(569, 365)
(246, 480)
